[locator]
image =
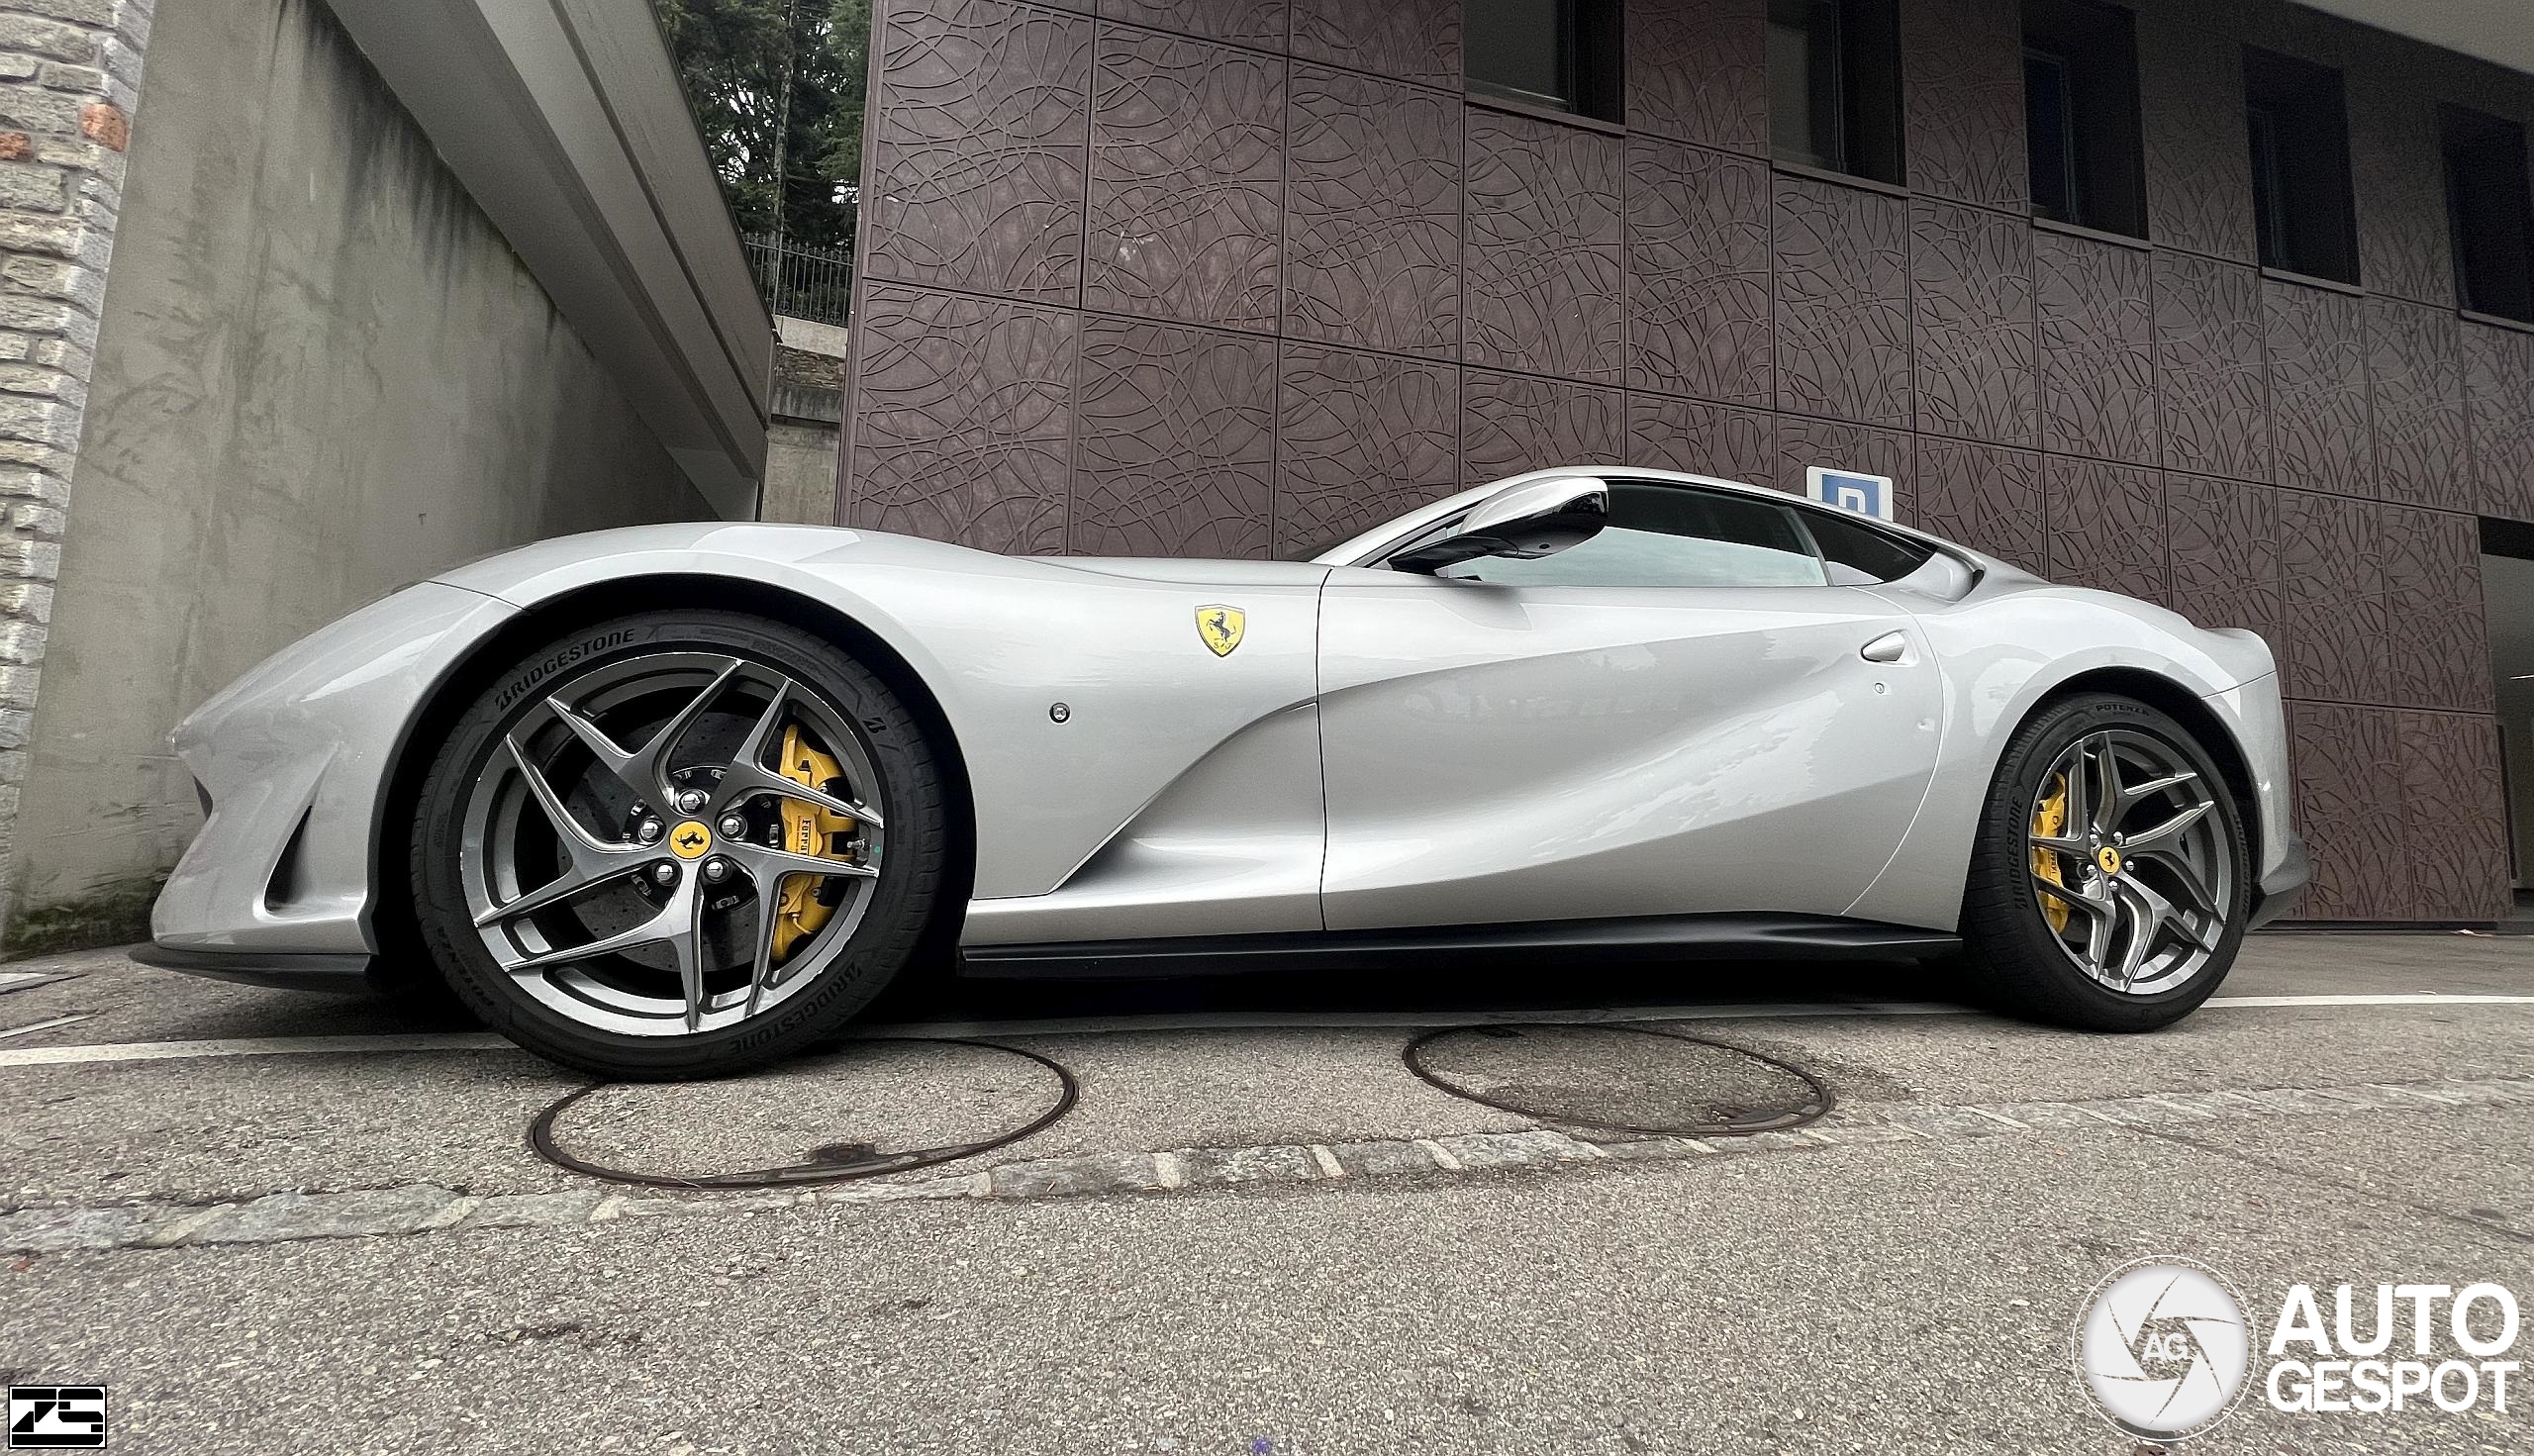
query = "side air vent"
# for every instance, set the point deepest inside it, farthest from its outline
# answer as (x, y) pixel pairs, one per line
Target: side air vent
(287, 885)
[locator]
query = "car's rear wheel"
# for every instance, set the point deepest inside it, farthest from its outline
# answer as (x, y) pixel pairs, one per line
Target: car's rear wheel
(2110, 881)
(678, 844)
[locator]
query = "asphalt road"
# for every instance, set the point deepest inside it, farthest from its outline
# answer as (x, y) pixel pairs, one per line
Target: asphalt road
(1256, 1232)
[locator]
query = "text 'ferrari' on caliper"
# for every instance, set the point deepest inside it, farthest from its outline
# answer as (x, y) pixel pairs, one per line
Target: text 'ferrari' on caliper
(2050, 819)
(808, 828)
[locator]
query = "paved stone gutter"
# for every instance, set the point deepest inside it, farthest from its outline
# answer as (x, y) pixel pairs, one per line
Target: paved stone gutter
(427, 1208)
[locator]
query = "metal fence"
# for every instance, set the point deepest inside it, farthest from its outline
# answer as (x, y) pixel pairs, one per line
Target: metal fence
(800, 280)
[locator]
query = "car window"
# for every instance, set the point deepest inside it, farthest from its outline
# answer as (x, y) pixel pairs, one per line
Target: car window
(1859, 555)
(1671, 536)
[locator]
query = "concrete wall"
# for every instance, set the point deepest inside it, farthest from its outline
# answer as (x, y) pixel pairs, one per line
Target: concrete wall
(801, 441)
(800, 474)
(1238, 279)
(321, 374)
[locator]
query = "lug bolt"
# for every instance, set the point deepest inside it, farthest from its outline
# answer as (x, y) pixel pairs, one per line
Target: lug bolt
(716, 870)
(693, 800)
(664, 873)
(648, 830)
(733, 826)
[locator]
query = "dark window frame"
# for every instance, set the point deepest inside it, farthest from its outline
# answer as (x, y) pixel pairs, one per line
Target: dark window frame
(1852, 87)
(2305, 203)
(2101, 159)
(2059, 201)
(2489, 219)
(1589, 79)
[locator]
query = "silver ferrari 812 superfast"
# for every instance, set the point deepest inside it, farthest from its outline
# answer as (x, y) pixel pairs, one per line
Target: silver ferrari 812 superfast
(673, 800)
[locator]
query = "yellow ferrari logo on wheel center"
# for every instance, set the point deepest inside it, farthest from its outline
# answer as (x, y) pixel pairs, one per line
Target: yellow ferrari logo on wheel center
(2108, 858)
(690, 840)
(1219, 628)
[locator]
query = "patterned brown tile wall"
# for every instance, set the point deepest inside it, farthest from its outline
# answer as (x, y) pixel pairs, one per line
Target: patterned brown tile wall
(2097, 334)
(1540, 255)
(1187, 181)
(1372, 214)
(1697, 304)
(1240, 277)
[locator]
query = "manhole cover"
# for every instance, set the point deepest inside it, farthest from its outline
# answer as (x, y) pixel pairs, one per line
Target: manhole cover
(1620, 1079)
(875, 1107)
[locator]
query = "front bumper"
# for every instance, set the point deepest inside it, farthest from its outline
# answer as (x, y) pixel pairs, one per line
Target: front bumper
(295, 758)
(2284, 888)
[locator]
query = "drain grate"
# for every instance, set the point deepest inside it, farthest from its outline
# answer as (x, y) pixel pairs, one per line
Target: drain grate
(1619, 1078)
(953, 1099)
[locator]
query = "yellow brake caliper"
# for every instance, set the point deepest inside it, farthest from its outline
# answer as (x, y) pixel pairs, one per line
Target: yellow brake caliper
(2049, 818)
(808, 828)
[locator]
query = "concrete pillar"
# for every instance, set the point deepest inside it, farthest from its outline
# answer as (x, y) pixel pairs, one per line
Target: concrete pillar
(69, 83)
(801, 439)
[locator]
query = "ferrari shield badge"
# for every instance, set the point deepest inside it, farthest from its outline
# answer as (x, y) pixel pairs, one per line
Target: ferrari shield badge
(1219, 628)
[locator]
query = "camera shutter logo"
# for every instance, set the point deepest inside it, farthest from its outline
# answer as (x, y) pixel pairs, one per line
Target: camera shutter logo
(2163, 1348)
(56, 1417)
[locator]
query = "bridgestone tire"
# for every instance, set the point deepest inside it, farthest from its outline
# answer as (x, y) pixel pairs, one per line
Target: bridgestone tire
(2010, 949)
(903, 897)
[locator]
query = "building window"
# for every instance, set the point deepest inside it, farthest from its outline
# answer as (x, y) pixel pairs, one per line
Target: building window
(2081, 116)
(2300, 131)
(1557, 55)
(2488, 213)
(1834, 86)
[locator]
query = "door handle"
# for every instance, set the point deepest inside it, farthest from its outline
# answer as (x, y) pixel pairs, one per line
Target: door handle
(1892, 647)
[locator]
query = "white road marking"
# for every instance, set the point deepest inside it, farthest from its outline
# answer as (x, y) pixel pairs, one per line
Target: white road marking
(1998, 1117)
(153, 1051)
(1441, 1155)
(1457, 1016)
(40, 1026)
(30, 980)
(150, 1052)
(2391, 998)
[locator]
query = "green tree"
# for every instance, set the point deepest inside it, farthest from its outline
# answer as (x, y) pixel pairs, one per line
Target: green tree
(777, 89)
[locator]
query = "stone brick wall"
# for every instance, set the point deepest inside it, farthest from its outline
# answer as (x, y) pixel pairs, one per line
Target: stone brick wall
(69, 82)
(1238, 277)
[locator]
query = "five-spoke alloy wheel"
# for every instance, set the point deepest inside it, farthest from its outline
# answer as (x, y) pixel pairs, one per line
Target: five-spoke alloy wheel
(2107, 889)
(678, 844)
(2127, 863)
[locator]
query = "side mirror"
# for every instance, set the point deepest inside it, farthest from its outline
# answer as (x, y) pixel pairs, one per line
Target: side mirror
(1526, 521)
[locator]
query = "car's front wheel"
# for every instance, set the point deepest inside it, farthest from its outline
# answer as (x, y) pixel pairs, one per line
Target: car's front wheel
(678, 844)
(2110, 881)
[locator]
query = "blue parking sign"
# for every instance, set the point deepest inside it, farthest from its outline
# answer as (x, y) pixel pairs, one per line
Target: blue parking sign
(1867, 495)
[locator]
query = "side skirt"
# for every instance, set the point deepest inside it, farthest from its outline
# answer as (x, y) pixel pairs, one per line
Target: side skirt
(1648, 938)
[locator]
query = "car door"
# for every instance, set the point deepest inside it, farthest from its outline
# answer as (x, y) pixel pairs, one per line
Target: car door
(1676, 715)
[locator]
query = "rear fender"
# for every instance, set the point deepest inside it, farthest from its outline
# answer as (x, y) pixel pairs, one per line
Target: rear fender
(1997, 674)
